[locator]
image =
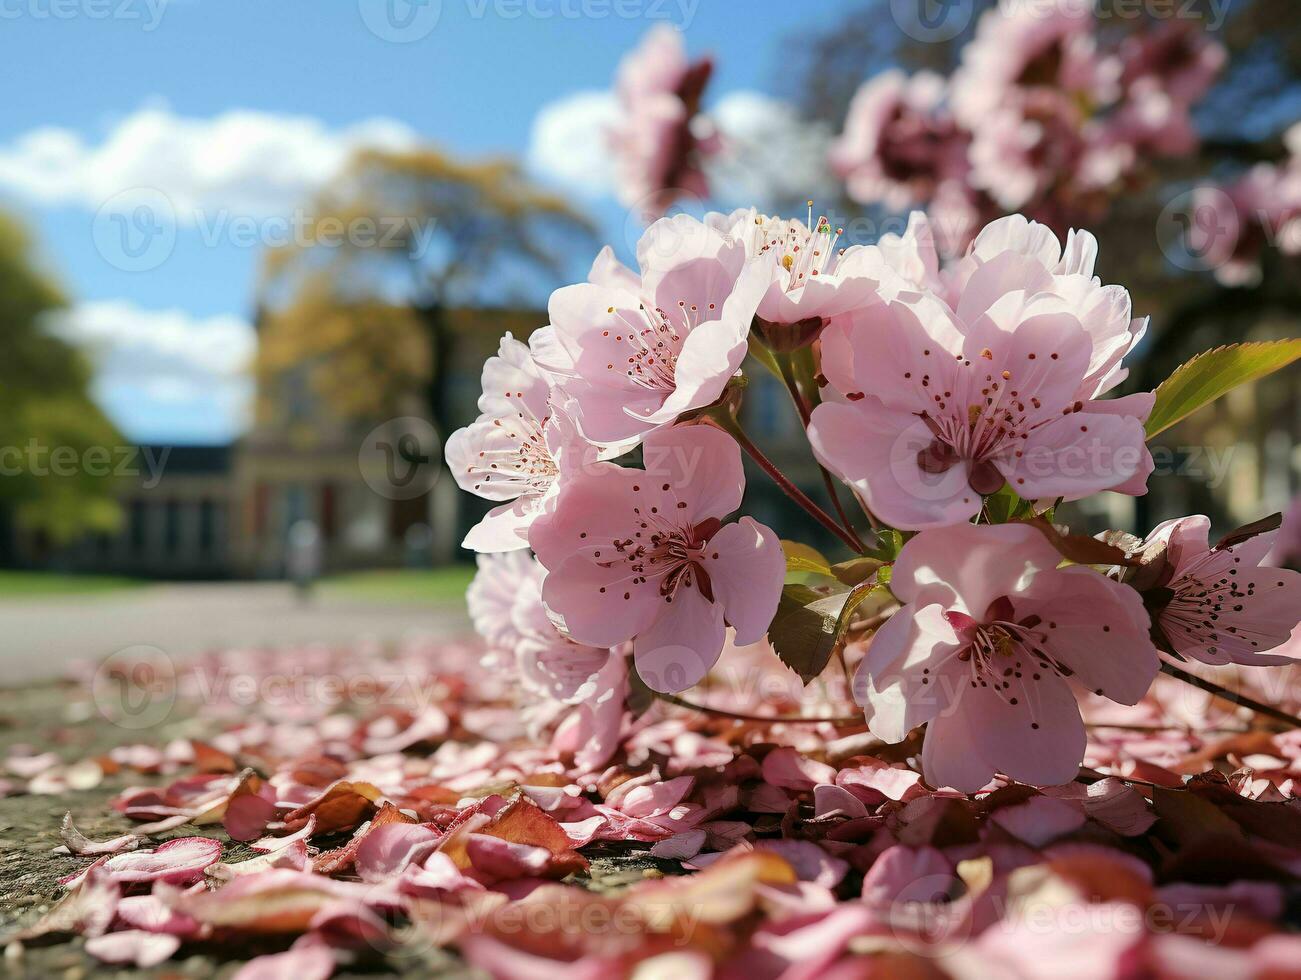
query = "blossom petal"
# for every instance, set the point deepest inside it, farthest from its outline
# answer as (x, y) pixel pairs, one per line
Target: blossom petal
(900, 679)
(973, 565)
(695, 465)
(680, 647)
(504, 528)
(1079, 454)
(1039, 740)
(875, 450)
(746, 568)
(600, 606)
(948, 758)
(1096, 627)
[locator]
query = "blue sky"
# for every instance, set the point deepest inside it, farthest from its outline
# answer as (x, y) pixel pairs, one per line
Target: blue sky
(473, 83)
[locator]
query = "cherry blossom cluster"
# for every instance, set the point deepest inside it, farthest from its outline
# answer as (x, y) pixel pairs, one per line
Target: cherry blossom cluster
(931, 392)
(1230, 226)
(1041, 117)
(660, 140)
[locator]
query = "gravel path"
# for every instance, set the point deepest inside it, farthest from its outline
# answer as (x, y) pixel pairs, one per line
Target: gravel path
(41, 636)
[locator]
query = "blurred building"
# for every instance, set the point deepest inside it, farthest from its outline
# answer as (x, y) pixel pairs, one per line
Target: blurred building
(205, 512)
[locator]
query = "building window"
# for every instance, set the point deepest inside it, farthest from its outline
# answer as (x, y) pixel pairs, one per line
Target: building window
(137, 522)
(329, 511)
(261, 509)
(207, 527)
(172, 527)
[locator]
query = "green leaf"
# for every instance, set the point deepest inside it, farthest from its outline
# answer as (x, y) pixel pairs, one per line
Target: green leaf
(889, 543)
(1004, 505)
(809, 623)
(1209, 375)
(856, 570)
(867, 600)
(1082, 549)
(802, 558)
(803, 633)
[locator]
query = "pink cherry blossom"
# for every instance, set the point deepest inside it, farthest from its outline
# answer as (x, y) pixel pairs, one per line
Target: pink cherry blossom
(941, 408)
(505, 605)
(1286, 552)
(985, 650)
(519, 450)
(1218, 606)
(660, 140)
(586, 686)
(1232, 226)
(1165, 71)
(640, 352)
(1020, 46)
(907, 262)
(900, 142)
(590, 733)
(1039, 146)
(643, 555)
(1014, 253)
(492, 595)
(812, 281)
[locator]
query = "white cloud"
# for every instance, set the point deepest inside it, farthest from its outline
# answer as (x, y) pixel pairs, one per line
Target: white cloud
(773, 155)
(251, 163)
(568, 145)
(152, 364)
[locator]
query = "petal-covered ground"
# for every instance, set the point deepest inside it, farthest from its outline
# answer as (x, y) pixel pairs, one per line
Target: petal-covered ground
(316, 812)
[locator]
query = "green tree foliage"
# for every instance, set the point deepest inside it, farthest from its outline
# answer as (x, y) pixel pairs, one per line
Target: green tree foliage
(45, 409)
(361, 302)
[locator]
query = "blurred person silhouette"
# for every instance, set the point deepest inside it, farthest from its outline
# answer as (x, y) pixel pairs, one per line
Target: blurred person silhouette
(303, 557)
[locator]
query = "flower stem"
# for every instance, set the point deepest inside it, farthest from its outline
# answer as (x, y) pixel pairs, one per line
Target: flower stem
(1095, 726)
(802, 407)
(733, 429)
(841, 722)
(1233, 697)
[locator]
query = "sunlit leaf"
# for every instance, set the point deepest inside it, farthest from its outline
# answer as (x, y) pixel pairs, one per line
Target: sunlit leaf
(856, 570)
(1211, 374)
(1082, 549)
(802, 558)
(810, 623)
(803, 633)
